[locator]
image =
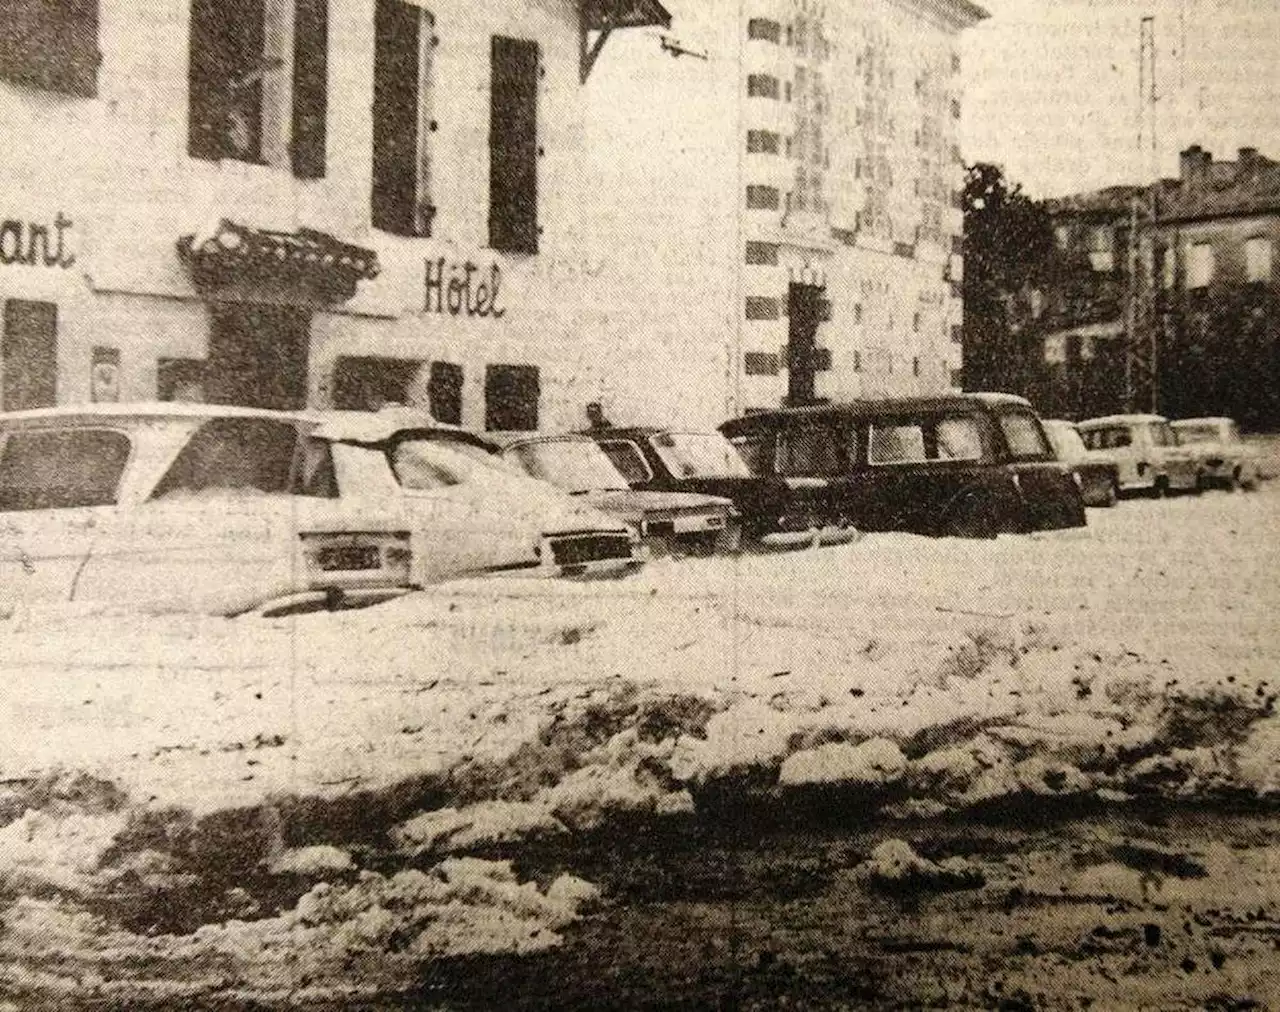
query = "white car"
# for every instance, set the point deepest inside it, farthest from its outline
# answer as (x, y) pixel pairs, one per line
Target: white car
(470, 514)
(187, 507)
(1224, 458)
(1145, 450)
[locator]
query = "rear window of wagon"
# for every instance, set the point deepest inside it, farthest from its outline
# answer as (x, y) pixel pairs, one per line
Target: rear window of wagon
(61, 468)
(1024, 436)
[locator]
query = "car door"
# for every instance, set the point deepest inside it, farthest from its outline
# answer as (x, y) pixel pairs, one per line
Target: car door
(59, 489)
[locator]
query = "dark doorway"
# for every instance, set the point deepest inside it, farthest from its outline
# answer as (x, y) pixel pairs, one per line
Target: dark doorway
(29, 355)
(258, 356)
(511, 397)
(366, 384)
(804, 313)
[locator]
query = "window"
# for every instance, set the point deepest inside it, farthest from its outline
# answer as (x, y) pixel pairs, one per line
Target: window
(180, 379)
(1025, 438)
(575, 465)
(254, 455)
(763, 198)
(51, 45)
(1199, 265)
(752, 448)
(61, 468)
(627, 458)
(762, 142)
(368, 383)
(959, 439)
(915, 366)
(1162, 434)
(310, 88)
(762, 86)
(761, 363)
(29, 355)
(235, 84)
(511, 394)
(807, 451)
(762, 253)
(764, 30)
(444, 392)
(1257, 258)
(896, 443)
(404, 44)
(762, 307)
(513, 146)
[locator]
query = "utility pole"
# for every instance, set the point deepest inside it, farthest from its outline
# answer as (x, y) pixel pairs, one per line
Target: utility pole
(1142, 377)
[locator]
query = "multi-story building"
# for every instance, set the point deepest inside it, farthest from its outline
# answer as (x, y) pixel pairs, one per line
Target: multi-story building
(1205, 306)
(287, 202)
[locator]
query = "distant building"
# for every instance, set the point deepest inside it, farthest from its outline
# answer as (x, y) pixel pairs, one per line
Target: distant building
(1209, 264)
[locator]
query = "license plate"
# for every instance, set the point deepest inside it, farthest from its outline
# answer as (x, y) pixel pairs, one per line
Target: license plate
(684, 525)
(348, 557)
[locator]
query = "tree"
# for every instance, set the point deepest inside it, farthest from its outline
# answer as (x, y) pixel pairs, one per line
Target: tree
(1008, 251)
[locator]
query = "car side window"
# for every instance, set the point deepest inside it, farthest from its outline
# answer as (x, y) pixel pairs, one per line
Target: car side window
(808, 451)
(255, 455)
(752, 449)
(959, 439)
(896, 443)
(61, 468)
(627, 458)
(317, 477)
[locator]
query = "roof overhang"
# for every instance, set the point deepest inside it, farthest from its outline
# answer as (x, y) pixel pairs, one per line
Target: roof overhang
(304, 266)
(602, 17)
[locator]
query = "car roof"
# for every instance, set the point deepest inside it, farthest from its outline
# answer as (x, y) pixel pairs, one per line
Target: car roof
(1205, 420)
(371, 427)
(1133, 419)
(871, 406)
(506, 439)
(1059, 422)
(146, 410)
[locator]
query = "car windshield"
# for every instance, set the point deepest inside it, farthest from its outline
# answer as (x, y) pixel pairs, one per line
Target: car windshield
(60, 468)
(1067, 444)
(1197, 434)
(699, 455)
(1025, 437)
(575, 465)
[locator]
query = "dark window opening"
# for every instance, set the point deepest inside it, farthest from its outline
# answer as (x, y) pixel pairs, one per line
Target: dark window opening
(404, 44)
(444, 392)
(511, 394)
(763, 198)
(29, 355)
(226, 73)
(763, 142)
(762, 307)
(180, 379)
(765, 30)
(61, 468)
(51, 45)
(762, 86)
(367, 384)
(761, 363)
(804, 313)
(310, 88)
(762, 253)
(513, 146)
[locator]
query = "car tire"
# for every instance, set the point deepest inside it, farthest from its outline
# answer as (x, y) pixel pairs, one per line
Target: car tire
(1234, 483)
(1160, 488)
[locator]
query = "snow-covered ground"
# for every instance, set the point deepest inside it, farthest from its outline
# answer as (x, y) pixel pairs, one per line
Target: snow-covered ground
(145, 758)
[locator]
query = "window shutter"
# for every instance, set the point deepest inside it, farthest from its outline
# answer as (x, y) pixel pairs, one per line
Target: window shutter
(52, 45)
(395, 117)
(511, 394)
(310, 87)
(444, 392)
(513, 146)
(226, 43)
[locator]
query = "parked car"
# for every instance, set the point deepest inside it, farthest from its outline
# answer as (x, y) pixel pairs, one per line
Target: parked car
(573, 463)
(1097, 473)
(1146, 450)
(773, 511)
(185, 507)
(469, 514)
(1223, 457)
(971, 465)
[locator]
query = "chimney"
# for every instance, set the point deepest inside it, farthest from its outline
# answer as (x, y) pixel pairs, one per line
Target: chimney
(1193, 164)
(1247, 162)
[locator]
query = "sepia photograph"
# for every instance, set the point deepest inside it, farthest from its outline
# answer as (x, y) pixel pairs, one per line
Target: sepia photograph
(639, 504)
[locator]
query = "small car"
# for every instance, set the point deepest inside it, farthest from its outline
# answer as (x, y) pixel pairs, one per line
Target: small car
(773, 511)
(1146, 451)
(188, 507)
(971, 465)
(666, 521)
(1224, 458)
(469, 514)
(1096, 473)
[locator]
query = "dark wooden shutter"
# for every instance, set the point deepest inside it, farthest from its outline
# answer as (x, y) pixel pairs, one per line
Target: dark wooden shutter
(513, 146)
(29, 355)
(511, 394)
(51, 45)
(444, 392)
(395, 117)
(310, 87)
(227, 42)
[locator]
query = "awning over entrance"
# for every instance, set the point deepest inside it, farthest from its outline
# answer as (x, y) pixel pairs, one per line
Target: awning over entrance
(603, 16)
(303, 266)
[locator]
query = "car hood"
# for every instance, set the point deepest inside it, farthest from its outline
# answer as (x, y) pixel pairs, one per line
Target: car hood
(635, 505)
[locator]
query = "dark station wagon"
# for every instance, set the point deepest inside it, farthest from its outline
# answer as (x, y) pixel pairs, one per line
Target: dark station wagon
(774, 511)
(969, 465)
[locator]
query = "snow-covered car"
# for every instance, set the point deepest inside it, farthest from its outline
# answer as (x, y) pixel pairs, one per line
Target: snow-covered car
(1096, 472)
(470, 514)
(574, 464)
(1224, 458)
(772, 511)
(187, 507)
(1146, 450)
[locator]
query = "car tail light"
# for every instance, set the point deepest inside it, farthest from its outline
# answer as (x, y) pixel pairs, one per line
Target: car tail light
(383, 555)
